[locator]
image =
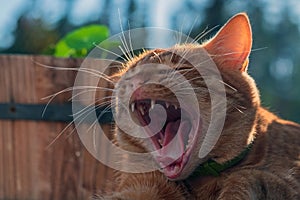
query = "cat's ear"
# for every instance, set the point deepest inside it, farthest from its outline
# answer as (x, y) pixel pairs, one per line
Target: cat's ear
(231, 46)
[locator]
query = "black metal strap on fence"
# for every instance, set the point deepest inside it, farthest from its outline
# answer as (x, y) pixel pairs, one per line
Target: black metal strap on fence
(53, 112)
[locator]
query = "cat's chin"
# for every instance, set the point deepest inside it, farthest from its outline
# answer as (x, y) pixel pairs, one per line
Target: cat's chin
(174, 143)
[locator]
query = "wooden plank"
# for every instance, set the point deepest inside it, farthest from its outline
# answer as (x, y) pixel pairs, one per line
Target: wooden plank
(8, 166)
(28, 169)
(22, 76)
(95, 174)
(62, 162)
(3, 97)
(8, 161)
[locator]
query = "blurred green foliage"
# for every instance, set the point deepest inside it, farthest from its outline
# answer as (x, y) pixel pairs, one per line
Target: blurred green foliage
(80, 42)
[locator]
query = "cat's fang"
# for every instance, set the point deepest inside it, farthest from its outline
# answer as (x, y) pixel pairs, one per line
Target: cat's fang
(191, 136)
(176, 168)
(132, 107)
(142, 110)
(152, 103)
(160, 142)
(167, 105)
(188, 145)
(161, 165)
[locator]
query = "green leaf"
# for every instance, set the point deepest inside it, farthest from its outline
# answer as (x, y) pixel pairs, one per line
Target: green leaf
(81, 41)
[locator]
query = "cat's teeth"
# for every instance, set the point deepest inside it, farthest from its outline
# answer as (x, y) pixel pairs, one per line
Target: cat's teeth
(160, 142)
(189, 142)
(152, 103)
(142, 110)
(132, 107)
(176, 168)
(187, 146)
(167, 105)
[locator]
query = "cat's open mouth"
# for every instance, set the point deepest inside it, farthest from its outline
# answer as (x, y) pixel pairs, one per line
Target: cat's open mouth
(173, 143)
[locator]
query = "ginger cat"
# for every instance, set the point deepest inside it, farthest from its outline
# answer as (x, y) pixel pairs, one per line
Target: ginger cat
(257, 155)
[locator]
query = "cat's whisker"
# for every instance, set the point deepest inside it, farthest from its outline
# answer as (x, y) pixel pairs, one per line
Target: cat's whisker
(130, 41)
(177, 36)
(173, 72)
(94, 138)
(238, 110)
(185, 70)
(88, 99)
(192, 27)
(200, 34)
(83, 92)
(172, 55)
(242, 107)
(127, 51)
(87, 112)
(178, 64)
(58, 136)
(106, 77)
(229, 86)
(234, 52)
(72, 131)
(111, 52)
(98, 117)
(77, 88)
(68, 90)
(81, 69)
(157, 56)
(91, 106)
(181, 31)
(258, 49)
(204, 33)
(201, 64)
(229, 53)
(94, 124)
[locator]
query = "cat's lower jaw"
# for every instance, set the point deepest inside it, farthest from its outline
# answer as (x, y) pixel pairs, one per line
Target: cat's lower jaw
(172, 162)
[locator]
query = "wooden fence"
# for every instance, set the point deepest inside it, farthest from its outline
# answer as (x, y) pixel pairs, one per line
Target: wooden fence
(29, 170)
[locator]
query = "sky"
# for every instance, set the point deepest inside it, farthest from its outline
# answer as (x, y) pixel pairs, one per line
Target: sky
(78, 12)
(158, 13)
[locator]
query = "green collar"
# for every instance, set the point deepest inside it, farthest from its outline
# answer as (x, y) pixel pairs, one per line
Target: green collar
(213, 168)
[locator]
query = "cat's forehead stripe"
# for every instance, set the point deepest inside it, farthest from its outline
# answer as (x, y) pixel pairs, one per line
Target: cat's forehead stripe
(161, 56)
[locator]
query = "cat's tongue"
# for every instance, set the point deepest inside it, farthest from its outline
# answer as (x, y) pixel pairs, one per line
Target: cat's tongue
(175, 137)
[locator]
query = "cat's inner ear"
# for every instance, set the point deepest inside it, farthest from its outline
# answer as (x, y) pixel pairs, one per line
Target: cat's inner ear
(231, 46)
